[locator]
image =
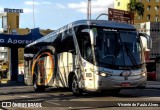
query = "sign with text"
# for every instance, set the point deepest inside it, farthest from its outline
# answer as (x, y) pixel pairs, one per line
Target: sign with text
(19, 40)
(13, 10)
(120, 16)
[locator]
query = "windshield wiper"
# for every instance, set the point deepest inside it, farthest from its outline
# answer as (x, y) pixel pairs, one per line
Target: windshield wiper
(109, 56)
(116, 53)
(129, 53)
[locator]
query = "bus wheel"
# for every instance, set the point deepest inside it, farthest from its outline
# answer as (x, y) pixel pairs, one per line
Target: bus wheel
(75, 87)
(37, 87)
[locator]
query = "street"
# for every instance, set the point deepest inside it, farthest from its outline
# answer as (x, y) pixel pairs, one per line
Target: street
(59, 99)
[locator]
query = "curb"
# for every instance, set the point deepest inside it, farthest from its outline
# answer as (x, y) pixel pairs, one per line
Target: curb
(153, 85)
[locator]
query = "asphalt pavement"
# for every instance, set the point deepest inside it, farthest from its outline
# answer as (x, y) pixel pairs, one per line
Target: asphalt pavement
(149, 84)
(18, 94)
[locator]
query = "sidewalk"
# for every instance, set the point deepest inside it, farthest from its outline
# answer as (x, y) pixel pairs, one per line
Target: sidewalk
(153, 85)
(12, 83)
(3, 81)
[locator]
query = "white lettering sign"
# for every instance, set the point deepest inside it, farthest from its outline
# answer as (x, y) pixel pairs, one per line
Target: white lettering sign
(13, 10)
(15, 41)
(9, 40)
(1, 40)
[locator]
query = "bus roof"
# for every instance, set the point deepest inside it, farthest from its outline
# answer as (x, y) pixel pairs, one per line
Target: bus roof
(101, 23)
(104, 23)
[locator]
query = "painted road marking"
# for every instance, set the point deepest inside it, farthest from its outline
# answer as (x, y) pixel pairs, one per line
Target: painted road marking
(25, 96)
(53, 103)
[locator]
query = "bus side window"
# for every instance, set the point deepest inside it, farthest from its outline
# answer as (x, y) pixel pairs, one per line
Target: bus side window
(86, 49)
(57, 43)
(68, 43)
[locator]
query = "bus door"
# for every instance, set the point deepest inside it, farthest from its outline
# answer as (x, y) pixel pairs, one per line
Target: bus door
(28, 72)
(28, 60)
(65, 66)
(66, 59)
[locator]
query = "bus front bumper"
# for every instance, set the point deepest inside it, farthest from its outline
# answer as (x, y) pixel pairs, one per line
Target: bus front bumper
(105, 83)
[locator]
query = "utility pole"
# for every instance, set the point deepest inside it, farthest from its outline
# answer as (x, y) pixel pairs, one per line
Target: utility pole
(33, 15)
(89, 10)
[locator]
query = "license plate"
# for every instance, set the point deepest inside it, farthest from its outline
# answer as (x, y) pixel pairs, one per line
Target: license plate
(126, 84)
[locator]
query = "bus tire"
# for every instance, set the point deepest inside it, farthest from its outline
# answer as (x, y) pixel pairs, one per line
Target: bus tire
(37, 87)
(75, 87)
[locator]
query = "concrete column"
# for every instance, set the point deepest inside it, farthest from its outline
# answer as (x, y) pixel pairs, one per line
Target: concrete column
(14, 63)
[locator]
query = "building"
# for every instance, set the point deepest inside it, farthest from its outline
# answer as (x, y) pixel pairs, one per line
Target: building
(10, 25)
(3, 54)
(151, 12)
(121, 4)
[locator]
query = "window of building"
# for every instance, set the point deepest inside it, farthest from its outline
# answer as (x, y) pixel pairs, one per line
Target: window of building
(149, 7)
(148, 17)
(67, 42)
(17, 21)
(139, 17)
(157, 8)
(118, 3)
(157, 0)
(156, 18)
(3, 55)
(4, 23)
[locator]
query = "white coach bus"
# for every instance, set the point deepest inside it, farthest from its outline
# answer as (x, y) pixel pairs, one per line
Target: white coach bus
(88, 55)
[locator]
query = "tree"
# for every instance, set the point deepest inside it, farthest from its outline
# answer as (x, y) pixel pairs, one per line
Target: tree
(136, 7)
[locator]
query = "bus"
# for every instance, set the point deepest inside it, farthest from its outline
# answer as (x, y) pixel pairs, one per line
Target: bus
(88, 56)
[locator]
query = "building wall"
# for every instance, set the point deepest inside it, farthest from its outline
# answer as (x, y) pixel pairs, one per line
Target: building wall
(151, 28)
(121, 4)
(11, 21)
(152, 12)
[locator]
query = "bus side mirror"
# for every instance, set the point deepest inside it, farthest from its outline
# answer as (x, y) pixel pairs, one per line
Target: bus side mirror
(93, 34)
(148, 38)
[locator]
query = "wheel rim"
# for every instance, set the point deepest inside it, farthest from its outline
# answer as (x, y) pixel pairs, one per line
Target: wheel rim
(74, 85)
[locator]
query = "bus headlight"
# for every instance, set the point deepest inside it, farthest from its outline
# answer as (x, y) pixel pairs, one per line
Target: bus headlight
(103, 74)
(143, 74)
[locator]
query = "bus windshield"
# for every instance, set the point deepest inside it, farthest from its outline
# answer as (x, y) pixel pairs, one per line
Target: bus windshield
(118, 48)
